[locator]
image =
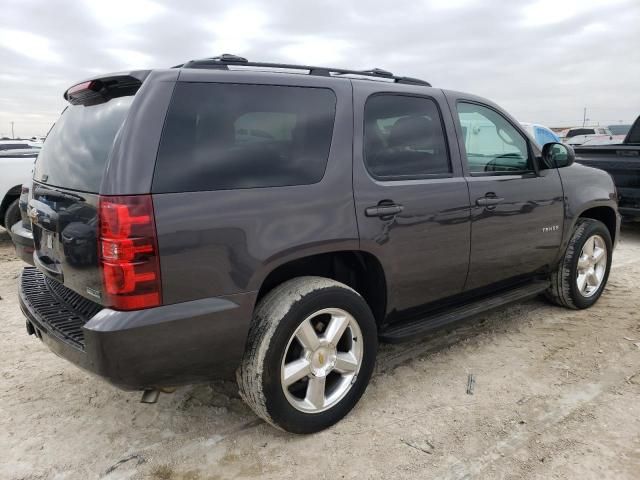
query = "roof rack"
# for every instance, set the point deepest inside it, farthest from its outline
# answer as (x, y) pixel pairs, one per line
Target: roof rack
(224, 61)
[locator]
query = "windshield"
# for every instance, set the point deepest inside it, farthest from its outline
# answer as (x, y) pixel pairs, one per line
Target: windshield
(78, 146)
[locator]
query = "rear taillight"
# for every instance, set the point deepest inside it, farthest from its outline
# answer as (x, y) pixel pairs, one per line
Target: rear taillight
(129, 252)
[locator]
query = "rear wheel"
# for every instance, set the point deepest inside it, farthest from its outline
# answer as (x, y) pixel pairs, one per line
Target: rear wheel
(584, 269)
(310, 354)
(12, 214)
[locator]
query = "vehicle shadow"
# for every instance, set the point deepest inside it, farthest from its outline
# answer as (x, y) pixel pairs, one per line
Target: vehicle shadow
(631, 230)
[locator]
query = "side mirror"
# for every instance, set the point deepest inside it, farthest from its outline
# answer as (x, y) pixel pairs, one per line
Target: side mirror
(558, 154)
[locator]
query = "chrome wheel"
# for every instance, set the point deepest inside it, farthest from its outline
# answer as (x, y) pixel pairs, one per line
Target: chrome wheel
(592, 266)
(322, 360)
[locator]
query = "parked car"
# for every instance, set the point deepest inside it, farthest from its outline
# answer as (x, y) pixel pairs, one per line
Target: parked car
(16, 167)
(20, 231)
(622, 161)
(580, 135)
(283, 260)
(618, 134)
(540, 133)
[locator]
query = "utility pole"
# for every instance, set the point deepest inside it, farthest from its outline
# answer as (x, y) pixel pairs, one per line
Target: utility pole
(12, 134)
(584, 116)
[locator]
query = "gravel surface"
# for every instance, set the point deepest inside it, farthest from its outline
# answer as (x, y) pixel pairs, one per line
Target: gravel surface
(556, 395)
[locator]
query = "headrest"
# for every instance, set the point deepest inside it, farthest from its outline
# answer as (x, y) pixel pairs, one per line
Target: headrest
(414, 132)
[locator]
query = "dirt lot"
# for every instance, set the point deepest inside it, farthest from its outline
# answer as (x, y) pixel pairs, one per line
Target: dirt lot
(557, 395)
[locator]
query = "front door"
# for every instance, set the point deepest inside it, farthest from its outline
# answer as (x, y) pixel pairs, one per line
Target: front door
(412, 202)
(517, 209)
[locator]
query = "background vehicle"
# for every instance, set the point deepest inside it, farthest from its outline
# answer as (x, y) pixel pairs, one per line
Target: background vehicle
(277, 225)
(580, 135)
(619, 132)
(540, 133)
(622, 162)
(16, 167)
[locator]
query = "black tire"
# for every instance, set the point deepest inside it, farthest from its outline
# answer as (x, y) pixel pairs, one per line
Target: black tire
(275, 321)
(12, 214)
(564, 289)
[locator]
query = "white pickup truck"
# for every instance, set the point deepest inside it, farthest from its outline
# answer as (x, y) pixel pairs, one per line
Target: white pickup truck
(15, 169)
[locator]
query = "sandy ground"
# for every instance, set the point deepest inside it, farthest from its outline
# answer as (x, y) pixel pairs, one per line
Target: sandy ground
(557, 395)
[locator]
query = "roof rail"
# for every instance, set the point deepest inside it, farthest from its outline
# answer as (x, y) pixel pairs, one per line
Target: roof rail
(224, 61)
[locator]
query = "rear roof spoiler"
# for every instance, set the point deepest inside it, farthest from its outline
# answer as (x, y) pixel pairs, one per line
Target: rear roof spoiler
(104, 88)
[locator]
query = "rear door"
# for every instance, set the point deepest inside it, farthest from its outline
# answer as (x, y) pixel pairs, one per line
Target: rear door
(516, 209)
(412, 203)
(67, 178)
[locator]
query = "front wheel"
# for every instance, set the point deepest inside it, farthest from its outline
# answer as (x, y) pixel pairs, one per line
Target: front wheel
(310, 354)
(584, 269)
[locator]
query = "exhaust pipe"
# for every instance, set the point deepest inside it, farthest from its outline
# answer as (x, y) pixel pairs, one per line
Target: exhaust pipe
(151, 395)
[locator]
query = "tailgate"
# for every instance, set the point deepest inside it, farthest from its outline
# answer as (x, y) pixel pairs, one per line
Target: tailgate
(622, 163)
(65, 232)
(67, 177)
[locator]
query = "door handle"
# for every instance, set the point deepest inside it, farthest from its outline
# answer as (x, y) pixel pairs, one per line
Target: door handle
(383, 210)
(489, 201)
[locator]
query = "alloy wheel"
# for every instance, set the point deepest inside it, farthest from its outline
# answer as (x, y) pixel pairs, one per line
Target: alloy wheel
(592, 266)
(322, 360)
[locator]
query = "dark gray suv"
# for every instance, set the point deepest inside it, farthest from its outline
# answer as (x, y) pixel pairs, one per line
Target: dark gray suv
(276, 221)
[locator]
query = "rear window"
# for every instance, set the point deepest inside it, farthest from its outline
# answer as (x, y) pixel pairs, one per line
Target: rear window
(228, 136)
(75, 153)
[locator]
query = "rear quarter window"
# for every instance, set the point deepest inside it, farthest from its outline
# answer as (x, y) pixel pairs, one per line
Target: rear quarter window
(227, 136)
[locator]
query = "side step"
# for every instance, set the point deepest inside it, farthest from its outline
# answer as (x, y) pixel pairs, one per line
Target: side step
(412, 329)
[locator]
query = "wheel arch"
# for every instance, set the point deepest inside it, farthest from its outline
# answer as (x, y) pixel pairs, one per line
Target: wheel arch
(360, 270)
(604, 214)
(12, 194)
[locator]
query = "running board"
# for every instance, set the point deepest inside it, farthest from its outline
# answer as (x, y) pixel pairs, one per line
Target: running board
(412, 329)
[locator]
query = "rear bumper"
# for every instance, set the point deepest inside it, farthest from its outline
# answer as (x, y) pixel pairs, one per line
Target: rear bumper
(165, 346)
(22, 239)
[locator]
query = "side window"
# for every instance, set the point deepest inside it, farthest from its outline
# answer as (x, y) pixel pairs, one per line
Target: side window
(226, 136)
(491, 142)
(404, 138)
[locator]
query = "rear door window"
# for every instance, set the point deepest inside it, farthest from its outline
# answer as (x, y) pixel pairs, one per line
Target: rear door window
(404, 138)
(78, 146)
(227, 136)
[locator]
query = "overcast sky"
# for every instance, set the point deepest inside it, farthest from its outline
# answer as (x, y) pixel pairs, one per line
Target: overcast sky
(542, 60)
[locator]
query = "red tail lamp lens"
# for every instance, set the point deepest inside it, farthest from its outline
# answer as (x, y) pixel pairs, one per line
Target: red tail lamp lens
(129, 252)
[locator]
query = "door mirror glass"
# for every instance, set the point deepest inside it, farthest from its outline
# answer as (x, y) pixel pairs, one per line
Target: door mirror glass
(558, 154)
